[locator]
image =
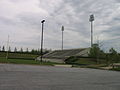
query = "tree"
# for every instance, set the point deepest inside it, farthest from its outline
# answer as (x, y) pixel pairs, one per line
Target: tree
(3, 48)
(9, 49)
(32, 51)
(21, 50)
(27, 50)
(38, 51)
(15, 50)
(114, 57)
(96, 52)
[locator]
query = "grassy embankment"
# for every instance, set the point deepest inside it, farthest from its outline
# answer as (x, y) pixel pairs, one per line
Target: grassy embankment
(19, 55)
(23, 61)
(19, 58)
(89, 63)
(115, 69)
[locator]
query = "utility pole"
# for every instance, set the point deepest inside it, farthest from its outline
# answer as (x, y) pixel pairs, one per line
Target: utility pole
(62, 36)
(7, 48)
(42, 39)
(91, 20)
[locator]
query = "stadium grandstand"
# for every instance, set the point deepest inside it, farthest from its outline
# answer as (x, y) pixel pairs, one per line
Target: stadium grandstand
(59, 56)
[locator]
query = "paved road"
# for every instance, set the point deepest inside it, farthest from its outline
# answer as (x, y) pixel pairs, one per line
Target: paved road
(28, 77)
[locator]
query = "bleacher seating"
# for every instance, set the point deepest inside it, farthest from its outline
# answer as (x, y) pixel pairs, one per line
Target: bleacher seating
(61, 55)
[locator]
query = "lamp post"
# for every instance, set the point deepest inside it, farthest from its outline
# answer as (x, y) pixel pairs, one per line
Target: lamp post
(91, 20)
(62, 36)
(7, 48)
(42, 39)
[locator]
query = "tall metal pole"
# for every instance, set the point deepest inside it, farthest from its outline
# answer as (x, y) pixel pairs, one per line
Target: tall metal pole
(91, 34)
(91, 20)
(42, 39)
(7, 48)
(62, 36)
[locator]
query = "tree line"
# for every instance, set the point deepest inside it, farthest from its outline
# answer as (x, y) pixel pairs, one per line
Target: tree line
(27, 51)
(112, 56)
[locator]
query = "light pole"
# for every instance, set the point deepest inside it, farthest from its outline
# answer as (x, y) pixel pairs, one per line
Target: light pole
(42, 39)
(7, 48)
(91, 20)
(62, 36)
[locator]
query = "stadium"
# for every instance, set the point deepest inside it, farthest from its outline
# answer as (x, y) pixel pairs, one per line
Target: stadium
(59, 56)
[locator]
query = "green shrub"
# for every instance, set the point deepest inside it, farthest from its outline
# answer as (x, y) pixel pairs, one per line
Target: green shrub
(115, 69)
(71, 60)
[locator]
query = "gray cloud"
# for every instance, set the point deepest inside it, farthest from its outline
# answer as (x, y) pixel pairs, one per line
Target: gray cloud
(21, 20)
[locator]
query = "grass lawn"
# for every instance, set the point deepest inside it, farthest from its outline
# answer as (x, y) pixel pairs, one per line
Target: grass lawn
(116, 69)
(86, 61)
(23, 61)
(19, 55)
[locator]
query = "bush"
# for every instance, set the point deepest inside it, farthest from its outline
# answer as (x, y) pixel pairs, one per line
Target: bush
(71, 60)
(80, 60)
(115, 69)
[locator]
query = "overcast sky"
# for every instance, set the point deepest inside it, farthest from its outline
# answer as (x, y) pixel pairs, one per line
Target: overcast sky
(20, 19)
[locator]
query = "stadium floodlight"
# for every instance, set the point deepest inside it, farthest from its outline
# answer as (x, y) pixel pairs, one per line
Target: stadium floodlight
(42, 39)
(62, 36)
(91, 19)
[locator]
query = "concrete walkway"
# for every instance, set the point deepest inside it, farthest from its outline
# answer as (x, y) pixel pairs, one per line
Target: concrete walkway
(28, 77)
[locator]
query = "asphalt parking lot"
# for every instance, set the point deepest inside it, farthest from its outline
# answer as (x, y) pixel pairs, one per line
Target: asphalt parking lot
(30, 77)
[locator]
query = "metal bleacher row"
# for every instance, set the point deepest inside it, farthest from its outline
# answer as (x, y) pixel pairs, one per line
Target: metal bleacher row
(63, 53)
(60, 56)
